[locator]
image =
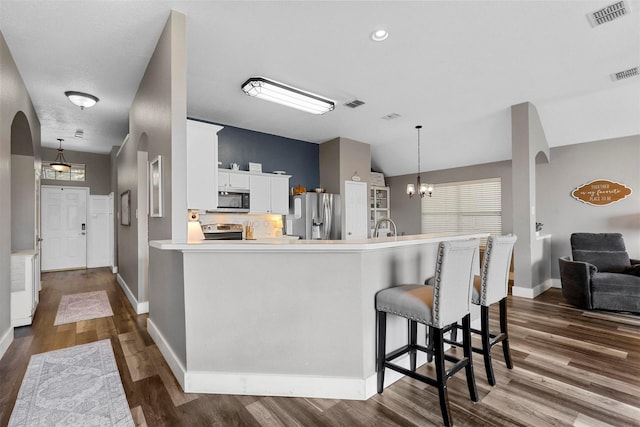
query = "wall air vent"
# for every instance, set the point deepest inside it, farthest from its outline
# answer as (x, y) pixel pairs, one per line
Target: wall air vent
(391, 116)
(354, 104)
(609, 13)
(621, 75)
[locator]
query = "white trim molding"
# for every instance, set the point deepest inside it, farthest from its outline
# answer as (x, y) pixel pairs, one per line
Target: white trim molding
(531, 293)
(138, 307)
(257, 384)
(6, 341)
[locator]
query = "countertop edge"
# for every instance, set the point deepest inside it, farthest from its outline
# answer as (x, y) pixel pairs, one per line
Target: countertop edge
(309, 245)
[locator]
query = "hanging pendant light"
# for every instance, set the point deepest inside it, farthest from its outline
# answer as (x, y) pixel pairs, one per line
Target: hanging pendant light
(60, 164)
(423, 188)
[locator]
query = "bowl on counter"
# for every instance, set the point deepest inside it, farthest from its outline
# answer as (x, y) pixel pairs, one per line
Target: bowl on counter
(319, 190)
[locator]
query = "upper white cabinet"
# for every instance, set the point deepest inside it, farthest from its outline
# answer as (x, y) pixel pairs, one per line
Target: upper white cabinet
(202, 165)
(269, 194)
(233, 179)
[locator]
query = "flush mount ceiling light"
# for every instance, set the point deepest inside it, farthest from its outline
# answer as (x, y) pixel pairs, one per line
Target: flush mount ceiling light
(379, 35)
(423, 189)
(60, 164)
(280, 93)
(81, 99)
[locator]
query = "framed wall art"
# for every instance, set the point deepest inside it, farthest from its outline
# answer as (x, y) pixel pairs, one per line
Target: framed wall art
(155, 187)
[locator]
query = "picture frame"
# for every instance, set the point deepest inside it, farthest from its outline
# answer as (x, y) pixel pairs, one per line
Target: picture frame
(125, 208)
(155, 187)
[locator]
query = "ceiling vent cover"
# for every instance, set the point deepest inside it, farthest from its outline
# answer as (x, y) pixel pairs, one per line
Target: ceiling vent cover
(391, 116)
(609, 13)
(621, 75)
(354, 104)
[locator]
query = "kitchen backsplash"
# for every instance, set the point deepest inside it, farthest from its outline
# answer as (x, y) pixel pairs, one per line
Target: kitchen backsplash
(264, 225)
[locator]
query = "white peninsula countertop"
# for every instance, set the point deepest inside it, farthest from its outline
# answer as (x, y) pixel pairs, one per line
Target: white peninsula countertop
(287, 244)
(281, 317)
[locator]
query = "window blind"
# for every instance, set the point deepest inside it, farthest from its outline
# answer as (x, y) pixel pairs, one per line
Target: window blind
(464, 207)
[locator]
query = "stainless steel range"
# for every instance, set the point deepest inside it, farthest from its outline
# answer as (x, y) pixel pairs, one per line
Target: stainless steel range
(222, 231)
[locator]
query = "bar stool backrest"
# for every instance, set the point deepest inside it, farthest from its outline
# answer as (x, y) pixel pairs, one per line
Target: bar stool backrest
(494, 277)
(453, 281)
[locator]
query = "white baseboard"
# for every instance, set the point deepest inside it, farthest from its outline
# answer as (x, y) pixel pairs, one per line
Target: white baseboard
(170, 357)
(139, 307)
(518, 291)
(257, 384)
(556, 283)
(114, 269)
(6, 341)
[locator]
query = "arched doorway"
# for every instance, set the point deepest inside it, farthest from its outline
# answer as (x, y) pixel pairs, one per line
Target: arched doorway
(25, 223)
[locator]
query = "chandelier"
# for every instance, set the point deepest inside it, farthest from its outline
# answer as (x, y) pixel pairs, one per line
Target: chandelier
(60, 164)
(423, 188)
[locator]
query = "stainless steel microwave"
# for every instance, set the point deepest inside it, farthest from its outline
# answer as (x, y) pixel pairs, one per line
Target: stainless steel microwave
(235, 200)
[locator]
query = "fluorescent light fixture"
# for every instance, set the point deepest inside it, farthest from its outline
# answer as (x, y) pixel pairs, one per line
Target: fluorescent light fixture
(81, 99)
(280, 93)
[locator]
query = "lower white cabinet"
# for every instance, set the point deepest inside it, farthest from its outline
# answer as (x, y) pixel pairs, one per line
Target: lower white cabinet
(25, 286)
(269, 194)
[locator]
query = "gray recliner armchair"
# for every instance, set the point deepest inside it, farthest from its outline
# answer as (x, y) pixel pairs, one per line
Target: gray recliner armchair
(594, 279)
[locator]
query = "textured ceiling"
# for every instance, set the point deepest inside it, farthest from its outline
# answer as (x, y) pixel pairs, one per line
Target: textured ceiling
(454, 67)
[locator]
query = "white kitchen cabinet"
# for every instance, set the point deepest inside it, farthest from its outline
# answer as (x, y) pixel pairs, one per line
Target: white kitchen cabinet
(269, 194)
(379, 208)
(233, 179)
(260, 194)
(25, 284)
(202, 165)
(280, 195)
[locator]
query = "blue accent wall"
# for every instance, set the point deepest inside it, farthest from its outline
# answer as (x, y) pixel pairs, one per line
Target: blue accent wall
(300, 159)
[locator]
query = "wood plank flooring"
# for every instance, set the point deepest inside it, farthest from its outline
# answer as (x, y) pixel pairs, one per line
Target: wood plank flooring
(572, 368)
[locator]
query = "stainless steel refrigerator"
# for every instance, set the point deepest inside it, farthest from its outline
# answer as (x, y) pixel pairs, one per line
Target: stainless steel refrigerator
(316, 216)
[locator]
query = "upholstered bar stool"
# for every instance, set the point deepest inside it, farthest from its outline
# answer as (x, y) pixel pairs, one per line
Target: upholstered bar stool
(490, 288)
(437, 307)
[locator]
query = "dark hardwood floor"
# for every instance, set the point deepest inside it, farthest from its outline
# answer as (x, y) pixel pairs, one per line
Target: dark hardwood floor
(572, 368)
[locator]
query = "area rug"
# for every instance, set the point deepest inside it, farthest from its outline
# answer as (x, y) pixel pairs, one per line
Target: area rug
(75, 386)
(83, 306)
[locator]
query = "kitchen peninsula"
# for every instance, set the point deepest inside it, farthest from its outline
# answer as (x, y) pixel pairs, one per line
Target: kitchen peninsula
(280, 317)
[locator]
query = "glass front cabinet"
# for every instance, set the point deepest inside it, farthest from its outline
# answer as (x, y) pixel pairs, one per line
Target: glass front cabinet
(379, 207)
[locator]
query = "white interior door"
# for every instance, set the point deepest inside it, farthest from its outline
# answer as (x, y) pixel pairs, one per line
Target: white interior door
(99, 232)
(64, 219)
(355, 210)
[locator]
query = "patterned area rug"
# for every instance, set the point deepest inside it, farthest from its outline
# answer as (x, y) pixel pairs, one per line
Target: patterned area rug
(83, 306)
(75, 386)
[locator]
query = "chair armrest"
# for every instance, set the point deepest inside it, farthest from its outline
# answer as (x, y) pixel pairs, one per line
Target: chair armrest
(576, 281)
(634, 261)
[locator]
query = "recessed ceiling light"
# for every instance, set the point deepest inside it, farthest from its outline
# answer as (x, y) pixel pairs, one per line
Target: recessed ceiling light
(379, 35)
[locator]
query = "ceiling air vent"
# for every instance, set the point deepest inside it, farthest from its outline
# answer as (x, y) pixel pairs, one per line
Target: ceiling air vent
(391, 116)
(354, 104)
(621, 75)
(609, 13)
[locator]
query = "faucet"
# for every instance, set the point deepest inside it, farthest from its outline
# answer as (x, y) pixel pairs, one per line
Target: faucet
(376, 229)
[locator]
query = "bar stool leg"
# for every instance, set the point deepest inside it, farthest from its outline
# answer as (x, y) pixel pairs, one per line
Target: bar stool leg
(441, 376)
(430, 343)
(413, 339)
(382, 337)
(468, 353)
(486, 343)
(503, 330)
